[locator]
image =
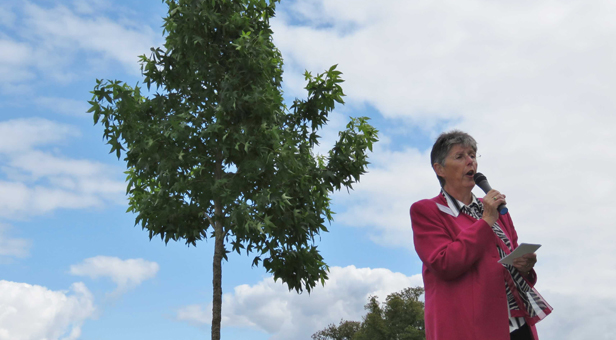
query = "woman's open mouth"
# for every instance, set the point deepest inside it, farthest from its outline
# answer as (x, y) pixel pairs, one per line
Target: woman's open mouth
(471, 173)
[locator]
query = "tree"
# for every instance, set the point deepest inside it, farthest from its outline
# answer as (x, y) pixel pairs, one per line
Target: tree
(344, 331)
(400, 317)
(214, 152)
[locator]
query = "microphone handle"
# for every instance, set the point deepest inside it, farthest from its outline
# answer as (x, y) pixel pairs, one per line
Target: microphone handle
(485, 186)
(502, 209)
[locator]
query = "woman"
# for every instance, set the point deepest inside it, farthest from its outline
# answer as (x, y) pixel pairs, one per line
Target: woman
(459, 239)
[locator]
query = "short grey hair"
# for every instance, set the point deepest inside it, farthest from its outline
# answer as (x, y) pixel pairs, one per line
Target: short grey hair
(443, 145)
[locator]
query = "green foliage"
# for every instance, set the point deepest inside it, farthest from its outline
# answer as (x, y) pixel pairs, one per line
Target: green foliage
(344, 331)
(400, 317)
(214, 144)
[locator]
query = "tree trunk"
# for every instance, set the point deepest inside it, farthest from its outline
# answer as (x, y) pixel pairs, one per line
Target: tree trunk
(217, 279)
(219, 251)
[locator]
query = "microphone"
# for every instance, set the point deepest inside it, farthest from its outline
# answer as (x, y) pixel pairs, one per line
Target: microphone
(482, 182)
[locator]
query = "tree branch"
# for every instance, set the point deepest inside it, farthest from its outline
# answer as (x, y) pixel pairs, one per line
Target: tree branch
(209, 219)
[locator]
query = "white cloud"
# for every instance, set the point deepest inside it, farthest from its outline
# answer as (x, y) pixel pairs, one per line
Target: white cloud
(126, 274)
(64, 106)
(12, 55)
(455, 58)
(18, 200)
(15, 247)
(19, 135)
(64, 29)
(577, 315)
(381, 201)
(54, 166)
(270, 307)
(531, 81)
(90, 6)
(30, 312)
(53, 39)
(39, 182)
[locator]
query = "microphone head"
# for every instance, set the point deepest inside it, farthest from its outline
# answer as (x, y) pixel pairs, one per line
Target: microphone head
(479, 177)
(482, 182)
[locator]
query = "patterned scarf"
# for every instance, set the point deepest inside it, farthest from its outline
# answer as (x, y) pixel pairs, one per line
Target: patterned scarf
(519, 292)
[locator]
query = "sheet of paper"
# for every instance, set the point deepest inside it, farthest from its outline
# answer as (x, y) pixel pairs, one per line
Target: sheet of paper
(522, 249)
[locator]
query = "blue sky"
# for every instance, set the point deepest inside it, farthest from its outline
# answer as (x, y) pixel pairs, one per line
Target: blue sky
(533, 82)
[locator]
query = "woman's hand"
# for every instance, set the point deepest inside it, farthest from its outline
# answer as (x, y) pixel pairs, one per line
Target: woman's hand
(491, 201)
(525, 263)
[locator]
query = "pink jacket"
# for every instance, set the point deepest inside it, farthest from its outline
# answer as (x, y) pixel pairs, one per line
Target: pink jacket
(465, 285)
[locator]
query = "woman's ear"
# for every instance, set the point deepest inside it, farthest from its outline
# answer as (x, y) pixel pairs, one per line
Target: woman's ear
(439, 169)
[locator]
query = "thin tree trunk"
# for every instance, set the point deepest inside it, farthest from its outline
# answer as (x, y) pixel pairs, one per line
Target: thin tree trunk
(219, 249)
(217, 279)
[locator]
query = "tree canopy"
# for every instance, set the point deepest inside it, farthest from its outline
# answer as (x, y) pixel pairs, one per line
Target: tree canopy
(213, 151)
(400, 317)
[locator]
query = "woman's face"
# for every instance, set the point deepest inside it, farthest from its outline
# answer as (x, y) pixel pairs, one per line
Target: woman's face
(460, 167)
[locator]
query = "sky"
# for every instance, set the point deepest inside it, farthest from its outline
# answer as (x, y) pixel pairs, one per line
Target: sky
(532, 81)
